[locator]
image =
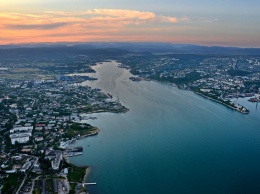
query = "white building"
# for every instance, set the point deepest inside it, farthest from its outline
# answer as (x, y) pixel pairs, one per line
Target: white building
(56, 157)
(38, 138)
(40, 81)
(26, 166)
(55, 164)
(20, 137)
(20, 129)
(11, 171)
(21, 134)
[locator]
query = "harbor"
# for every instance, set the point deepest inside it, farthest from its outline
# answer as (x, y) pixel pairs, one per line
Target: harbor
(70, 152)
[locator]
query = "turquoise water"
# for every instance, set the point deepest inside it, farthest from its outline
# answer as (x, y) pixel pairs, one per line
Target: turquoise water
(171, 141)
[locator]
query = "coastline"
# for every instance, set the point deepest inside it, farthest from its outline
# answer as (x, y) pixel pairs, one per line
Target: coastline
(87, 172)
(97, 130)
(174, 85)
(228, 106)
(105, 111)
(200, 94)
(88, 169)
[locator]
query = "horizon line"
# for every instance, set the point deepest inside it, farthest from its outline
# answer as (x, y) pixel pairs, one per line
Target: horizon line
(67, 43)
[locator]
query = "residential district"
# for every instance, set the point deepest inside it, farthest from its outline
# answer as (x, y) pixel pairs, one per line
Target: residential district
(39, 121)
(220, 78)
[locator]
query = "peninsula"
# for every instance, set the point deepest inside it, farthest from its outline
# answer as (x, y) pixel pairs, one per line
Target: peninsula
(42, 109)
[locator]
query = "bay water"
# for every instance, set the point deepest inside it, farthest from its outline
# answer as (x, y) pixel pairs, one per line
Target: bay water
(170, 141)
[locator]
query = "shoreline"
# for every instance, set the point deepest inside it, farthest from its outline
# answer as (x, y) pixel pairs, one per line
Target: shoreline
(87, 172)
(228, 106)
(95, 132)
(200, 94)
(104, 111)
(88, 169)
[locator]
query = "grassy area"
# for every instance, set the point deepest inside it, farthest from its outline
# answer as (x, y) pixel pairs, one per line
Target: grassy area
(38, 187)
(24, 70)
(76, 174)
(80, 129)
(11, 183)
(37, 191)
(49, 186)
(25, 76)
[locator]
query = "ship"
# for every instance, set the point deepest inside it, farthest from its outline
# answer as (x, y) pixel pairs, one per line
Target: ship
(77, 153)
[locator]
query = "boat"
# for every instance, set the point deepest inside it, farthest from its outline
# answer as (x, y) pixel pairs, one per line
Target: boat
(77, 153)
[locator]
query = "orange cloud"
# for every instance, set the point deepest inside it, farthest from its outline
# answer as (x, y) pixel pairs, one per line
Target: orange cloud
(126, 14)
(117, 16)
(78, 26)
(170, 19)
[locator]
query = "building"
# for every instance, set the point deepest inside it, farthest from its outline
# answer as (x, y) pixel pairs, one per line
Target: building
(26, 166)
(21, 134)
(21, 129)
(38, 138)
(56, 157)
(20, 137)
(10, 171)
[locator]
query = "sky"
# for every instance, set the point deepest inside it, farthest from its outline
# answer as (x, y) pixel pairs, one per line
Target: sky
(203, 22)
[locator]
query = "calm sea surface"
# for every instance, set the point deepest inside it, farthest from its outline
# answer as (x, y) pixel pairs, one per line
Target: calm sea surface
(171, 141)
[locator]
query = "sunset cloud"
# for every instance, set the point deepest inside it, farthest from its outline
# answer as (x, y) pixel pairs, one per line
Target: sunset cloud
(47, 26)
(126, 14)
(105, 16)
(199, 22)
(93, 24)
(99, 23)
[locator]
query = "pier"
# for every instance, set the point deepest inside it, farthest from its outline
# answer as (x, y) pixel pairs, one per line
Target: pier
(83, 184)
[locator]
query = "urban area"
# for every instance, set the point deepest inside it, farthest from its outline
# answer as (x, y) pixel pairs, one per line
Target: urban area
(43, 105)
(43, 111)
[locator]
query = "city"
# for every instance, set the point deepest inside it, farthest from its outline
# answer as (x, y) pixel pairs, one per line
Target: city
(39, 119)
(43, 106)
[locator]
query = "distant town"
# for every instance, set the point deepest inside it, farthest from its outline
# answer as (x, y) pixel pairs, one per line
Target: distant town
(220, 78)
(44, 108)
